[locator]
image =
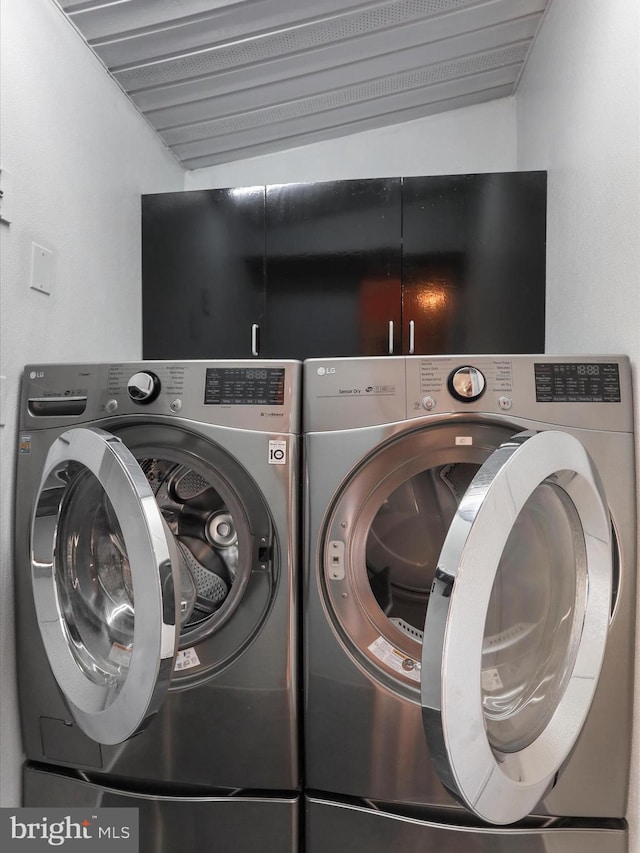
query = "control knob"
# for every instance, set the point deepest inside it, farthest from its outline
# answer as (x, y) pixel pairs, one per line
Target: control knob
(143, 387)
(467, 384)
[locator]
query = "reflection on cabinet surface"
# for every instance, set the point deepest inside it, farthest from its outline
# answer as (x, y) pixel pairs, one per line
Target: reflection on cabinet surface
(344, 268)
(473, 263)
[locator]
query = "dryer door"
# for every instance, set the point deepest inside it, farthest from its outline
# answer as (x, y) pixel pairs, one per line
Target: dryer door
(516, 624)
(105, 576)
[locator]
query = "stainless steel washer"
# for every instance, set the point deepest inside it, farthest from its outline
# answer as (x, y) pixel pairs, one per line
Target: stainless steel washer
(156, 573)
(470, 600)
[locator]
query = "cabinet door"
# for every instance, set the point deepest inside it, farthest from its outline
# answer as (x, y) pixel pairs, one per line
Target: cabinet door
(333, 269)
(202, 273)
(473, 263)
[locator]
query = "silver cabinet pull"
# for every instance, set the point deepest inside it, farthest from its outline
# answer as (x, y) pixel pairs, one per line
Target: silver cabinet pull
(412, 337)
(390, 337)
(255, 329)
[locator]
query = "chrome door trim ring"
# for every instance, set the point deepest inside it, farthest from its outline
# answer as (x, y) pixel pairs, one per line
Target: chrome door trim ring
(105, 714)
(504, 788)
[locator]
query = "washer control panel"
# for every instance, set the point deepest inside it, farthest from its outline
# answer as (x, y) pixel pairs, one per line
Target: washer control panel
(254, 395)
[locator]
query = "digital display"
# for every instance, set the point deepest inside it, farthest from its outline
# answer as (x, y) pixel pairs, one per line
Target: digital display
(244, 386)
(584, 382)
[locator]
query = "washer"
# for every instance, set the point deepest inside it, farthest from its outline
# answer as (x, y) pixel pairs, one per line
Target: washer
(469, 602)
(156, 571)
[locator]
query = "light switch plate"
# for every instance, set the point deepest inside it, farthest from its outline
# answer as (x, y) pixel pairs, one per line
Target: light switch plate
(41, 269)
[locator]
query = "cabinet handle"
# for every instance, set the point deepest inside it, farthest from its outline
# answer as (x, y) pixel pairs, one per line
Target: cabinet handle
(390, 337)
(412, 337)
(255, 330)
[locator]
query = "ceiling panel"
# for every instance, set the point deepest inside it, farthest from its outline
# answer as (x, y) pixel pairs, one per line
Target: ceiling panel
(225, 79)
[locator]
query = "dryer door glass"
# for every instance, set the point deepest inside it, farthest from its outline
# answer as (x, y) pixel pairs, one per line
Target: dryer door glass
(516, 624)
(534, 620)
(100, 548)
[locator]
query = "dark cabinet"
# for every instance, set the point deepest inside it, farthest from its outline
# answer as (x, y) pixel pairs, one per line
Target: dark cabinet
(425, 265)
(333, 255)
(203, 273)
(473, 263)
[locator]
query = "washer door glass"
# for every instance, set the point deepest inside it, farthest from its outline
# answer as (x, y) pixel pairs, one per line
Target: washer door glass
(516, 624)
(100, 548)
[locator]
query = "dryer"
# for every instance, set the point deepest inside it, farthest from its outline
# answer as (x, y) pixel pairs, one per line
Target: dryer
(156, 572)
(469, 602)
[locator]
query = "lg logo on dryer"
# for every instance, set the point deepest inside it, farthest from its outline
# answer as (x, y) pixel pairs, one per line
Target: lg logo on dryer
(325, 371)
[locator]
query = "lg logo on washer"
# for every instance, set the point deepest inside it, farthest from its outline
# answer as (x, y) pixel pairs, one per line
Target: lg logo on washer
(325, 371)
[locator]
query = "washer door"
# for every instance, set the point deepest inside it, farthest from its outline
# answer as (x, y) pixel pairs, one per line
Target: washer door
(106, 581)
(516, 624)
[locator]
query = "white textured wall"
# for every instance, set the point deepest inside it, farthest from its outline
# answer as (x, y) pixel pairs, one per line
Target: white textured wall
(578, 111)
(472, 139)
(80, 157)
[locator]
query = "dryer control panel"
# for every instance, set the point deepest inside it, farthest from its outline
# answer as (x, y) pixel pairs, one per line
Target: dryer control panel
(587, 392)
(568, 390)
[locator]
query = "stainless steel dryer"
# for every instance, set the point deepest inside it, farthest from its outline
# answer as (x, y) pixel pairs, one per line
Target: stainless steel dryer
(469, 603)
(155, 556)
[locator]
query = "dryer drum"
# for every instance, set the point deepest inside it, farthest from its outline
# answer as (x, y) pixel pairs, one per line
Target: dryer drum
(405, 538)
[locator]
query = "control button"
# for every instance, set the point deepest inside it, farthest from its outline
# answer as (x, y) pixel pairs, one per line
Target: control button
(175, 405)
(143, 387)
(111, 406)
(505, 403)
(467, 384)
(428, 403)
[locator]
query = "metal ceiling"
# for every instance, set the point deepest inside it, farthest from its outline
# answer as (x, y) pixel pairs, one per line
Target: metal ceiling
(221, 80)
